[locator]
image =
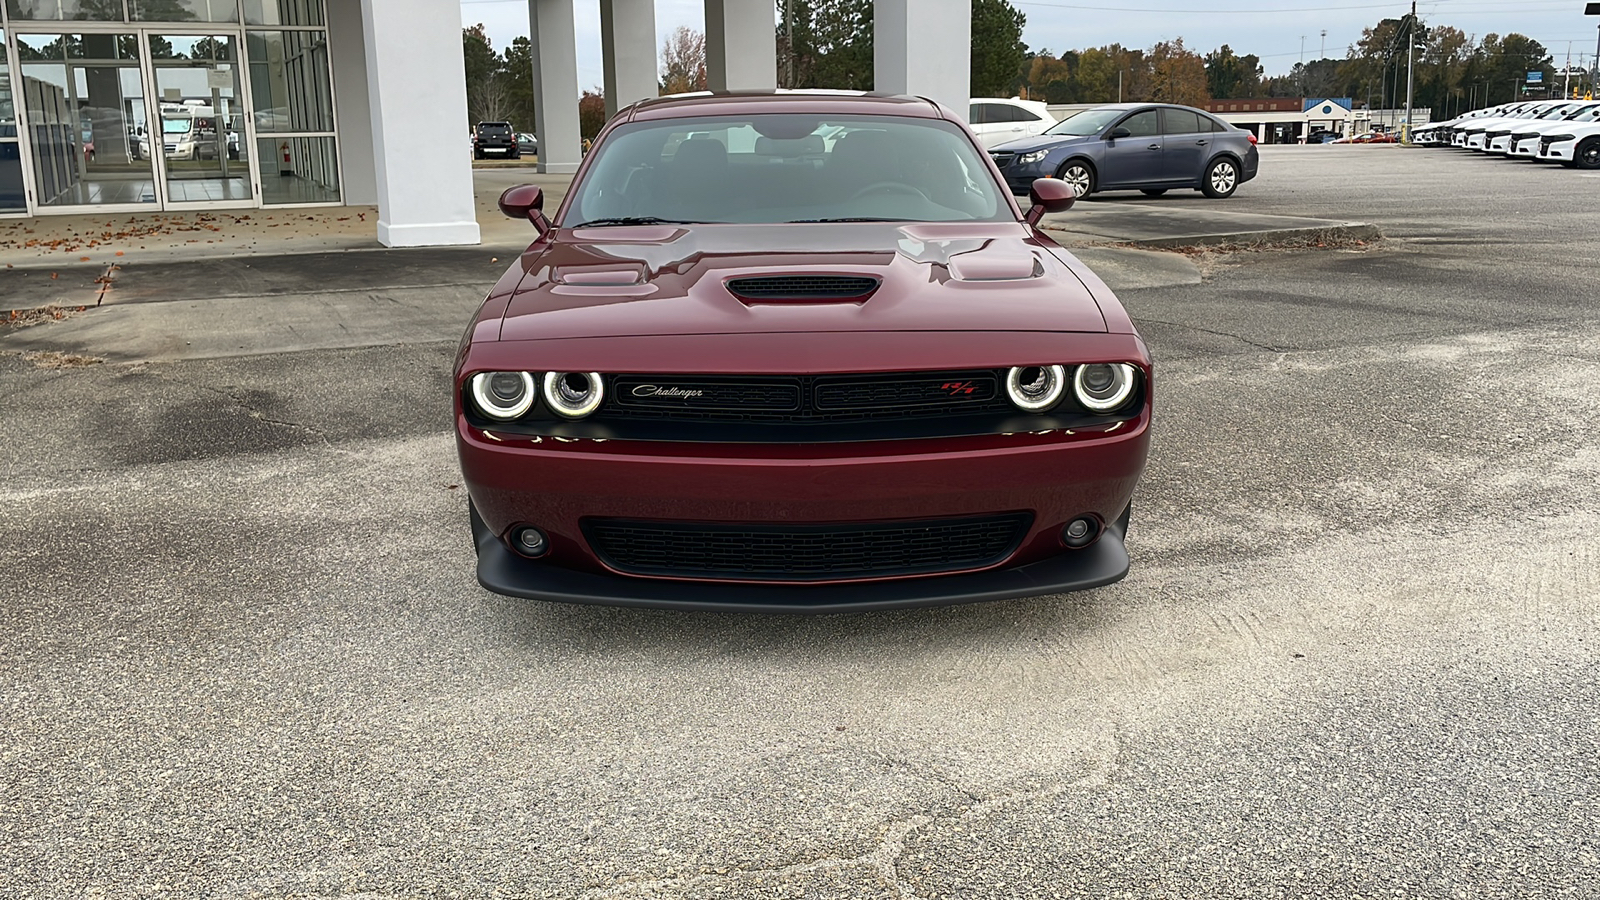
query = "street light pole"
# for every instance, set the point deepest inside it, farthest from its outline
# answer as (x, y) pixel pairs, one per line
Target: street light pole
(1411, 48)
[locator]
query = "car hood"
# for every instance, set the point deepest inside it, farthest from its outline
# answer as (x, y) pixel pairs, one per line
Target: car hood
(1043, 142)
(671, 279)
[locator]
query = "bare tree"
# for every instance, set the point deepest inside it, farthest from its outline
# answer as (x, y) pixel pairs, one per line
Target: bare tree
(683, 61)
(489, 100)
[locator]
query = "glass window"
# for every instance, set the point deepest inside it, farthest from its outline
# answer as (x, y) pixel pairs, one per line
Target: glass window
(283, 12)
(298, 170)
(1183, 121)
(1093, 121)
(184, 10)
(12, 199)
(1143, 124)
(788, 168)
(289, 81)
(981, 114)
(63, 10)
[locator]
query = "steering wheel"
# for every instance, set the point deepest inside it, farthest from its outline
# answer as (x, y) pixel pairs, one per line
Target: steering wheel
(896, 187)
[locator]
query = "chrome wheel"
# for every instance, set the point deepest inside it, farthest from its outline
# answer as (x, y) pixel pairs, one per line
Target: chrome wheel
(1221, 179)
(1078, 177)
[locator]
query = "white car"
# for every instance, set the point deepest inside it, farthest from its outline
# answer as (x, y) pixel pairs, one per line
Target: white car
(1471, 137)
(1578, 146)
(1440, 132)
(1524, 140)
(996, 120)
(1498, 138)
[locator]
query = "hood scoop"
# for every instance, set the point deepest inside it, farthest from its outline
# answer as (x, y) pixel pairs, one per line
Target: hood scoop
(802, 288)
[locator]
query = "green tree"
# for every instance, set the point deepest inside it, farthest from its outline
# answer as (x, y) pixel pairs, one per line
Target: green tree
(1177, 74)
(997, 47)
(516, 67)
(481, 67)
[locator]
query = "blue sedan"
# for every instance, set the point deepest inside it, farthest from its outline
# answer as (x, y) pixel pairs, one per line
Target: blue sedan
(1150, 147)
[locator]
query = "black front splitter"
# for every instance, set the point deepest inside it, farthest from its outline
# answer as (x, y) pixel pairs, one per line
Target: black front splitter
(504, 572)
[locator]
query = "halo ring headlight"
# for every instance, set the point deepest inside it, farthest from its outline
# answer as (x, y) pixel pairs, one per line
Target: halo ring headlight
(573, 394)
(1034, 388)
(504, 395)
(1102, 387)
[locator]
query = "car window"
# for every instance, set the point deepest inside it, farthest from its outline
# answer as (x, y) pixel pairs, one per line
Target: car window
(981, 114)
(1022, 114)
(788, 168)
(1181, 121)
(1092, 121)
(1143, 124)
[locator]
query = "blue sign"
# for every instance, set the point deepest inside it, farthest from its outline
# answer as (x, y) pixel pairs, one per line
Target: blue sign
(1535, 77)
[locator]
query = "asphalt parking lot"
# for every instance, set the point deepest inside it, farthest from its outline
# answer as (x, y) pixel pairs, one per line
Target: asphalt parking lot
(1356, 656)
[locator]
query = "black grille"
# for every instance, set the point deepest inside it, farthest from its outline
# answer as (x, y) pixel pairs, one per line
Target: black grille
(803, 287)
(1003, 158)
(805, 553)
(804, 398)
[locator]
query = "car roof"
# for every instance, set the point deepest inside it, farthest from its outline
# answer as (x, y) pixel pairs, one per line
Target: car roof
(729, 103)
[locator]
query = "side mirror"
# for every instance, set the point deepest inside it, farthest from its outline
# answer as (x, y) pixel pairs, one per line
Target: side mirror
(1049, 195)
(1118, 132)
(526, 201)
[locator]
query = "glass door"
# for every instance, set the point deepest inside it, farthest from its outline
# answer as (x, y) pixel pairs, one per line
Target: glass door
(199, 135)
(85, 112)
(13, 198)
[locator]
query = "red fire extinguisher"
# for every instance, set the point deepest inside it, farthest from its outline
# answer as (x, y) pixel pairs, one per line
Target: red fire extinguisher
(285, 167)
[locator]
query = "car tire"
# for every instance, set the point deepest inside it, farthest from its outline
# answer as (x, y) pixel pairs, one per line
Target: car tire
(1587, 155)
(1152, 192)
(1221, 178)
(1080, 175)
(515, 154)
(477, 154)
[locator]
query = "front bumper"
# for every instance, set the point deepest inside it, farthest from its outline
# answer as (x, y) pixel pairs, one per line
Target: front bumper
(1563, 151)
(504, 572)
(557, 485)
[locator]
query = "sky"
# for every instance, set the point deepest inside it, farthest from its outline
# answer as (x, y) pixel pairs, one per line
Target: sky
(1278, 31)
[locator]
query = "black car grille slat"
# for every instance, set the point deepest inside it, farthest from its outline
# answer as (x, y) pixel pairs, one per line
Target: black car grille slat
(1003, 159)
(805, 553)
(803, 398)
(803, 287)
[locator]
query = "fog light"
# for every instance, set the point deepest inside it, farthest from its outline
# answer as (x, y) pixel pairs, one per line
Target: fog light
(1080, 532)
(530, 542)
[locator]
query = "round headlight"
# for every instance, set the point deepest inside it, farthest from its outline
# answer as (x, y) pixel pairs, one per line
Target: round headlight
(504, 395)
(1103, 387)
(573, 394)
(1035, 387)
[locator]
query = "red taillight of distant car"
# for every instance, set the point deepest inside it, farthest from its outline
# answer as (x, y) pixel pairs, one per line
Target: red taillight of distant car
(1251, 137)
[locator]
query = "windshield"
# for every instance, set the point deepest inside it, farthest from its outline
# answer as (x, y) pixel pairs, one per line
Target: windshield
(176, 126)
(1091, 121)
(787, 168)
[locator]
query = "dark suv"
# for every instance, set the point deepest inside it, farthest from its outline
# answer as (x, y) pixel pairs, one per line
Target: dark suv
(495, 139)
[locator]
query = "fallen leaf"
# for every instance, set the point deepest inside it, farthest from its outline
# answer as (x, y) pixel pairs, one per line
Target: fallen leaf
(54, 276)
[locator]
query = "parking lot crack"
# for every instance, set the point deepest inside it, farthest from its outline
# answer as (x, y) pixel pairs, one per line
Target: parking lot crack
(1240, 338)
(245, 404)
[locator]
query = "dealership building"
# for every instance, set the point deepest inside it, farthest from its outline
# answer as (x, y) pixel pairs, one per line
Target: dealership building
(171, 105)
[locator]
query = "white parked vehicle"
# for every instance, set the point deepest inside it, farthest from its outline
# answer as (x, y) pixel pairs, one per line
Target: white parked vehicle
(997, 120)
(1578, 146)
(1498, 138)
(1524, 139)
(1439, 133)
(1471, 136)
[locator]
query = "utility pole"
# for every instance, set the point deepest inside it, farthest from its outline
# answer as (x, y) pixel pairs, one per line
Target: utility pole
(1302, 66)
(1411, 52)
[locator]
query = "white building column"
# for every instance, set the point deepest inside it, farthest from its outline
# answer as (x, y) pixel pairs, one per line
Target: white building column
(741, 45)
(555, 84)
(922, 47)
(628, 51)
(347, 51)
(419, 119)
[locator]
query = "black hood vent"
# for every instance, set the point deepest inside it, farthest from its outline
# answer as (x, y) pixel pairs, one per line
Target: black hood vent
(803, 287)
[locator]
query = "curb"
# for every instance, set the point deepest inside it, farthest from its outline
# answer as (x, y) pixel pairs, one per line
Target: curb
(1342, 233)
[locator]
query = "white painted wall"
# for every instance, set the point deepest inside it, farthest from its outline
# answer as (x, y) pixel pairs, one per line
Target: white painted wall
(347, 50)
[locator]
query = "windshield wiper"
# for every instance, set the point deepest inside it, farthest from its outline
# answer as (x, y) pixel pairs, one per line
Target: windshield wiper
(848, 219)
(638, 220)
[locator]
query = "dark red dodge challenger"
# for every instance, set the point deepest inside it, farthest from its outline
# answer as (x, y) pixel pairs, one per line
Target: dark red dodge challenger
(801, 353)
